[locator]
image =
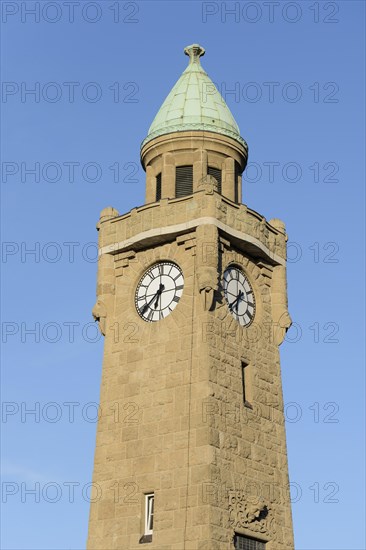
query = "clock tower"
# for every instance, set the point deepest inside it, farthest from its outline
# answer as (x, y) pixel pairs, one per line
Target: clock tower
(191, 297)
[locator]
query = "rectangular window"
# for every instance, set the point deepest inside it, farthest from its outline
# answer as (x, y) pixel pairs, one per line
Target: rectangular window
(242, 542)
(149, 513)
(246, 385)
(183, 181)
(216, 173)
(158, 187)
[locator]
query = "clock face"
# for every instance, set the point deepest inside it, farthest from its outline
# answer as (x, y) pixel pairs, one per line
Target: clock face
(159, 291)
(239, 295)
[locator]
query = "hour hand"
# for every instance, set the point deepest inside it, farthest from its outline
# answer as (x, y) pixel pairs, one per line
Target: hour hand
(155, 297)
(158, 294)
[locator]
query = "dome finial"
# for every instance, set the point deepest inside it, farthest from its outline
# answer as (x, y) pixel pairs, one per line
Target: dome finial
(195, 51)
(188, 108)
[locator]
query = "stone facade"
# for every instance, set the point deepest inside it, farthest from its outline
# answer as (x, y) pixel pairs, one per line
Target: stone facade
(191, 405)
(173, 420)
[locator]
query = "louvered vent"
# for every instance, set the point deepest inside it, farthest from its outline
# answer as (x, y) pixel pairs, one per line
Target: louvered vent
(216, 173)
(248, 543)
(183, 181)
(158, 187)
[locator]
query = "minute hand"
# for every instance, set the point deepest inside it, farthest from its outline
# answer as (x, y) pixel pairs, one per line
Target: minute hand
(236, 301)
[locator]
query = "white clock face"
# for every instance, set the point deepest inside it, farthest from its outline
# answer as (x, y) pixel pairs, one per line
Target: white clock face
(239, 295)
(159, 291)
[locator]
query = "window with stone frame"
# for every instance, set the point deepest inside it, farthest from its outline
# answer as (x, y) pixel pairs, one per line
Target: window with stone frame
(246, 384)
(237, 181)
(216, 173)
(158, 187)
(183, 181)
(149, 514)
(148, 518)
(243, 542)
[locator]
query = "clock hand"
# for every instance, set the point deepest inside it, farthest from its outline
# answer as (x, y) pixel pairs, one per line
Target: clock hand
(155, 297)
(236, 301)
(240, 296)
(158, 294)
(232, 304)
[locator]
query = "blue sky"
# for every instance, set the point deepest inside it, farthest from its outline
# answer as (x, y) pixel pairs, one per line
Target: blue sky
(296, 75)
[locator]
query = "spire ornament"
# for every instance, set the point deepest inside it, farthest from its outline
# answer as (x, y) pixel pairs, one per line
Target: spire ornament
(194, 104)
(194, 51)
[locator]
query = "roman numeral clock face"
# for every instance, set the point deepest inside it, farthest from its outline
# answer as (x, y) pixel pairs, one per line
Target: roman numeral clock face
(239, 295)
(159, 291)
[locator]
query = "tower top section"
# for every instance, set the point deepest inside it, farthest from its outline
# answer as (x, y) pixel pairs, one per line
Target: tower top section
(194, 103)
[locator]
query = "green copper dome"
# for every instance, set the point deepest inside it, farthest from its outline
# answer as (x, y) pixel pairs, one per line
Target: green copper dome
(194, 103)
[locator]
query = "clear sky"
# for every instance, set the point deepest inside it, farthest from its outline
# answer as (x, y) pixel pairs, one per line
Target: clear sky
(100, 71)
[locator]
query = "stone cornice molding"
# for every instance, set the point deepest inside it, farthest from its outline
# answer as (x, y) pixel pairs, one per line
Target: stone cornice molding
(153, 236)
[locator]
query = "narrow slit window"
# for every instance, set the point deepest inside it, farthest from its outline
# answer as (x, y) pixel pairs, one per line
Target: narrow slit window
(242, 542)
(237, 182)
(246, 384)
(149, 513)
(216, 173)
(183, 181)
(158, 187)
